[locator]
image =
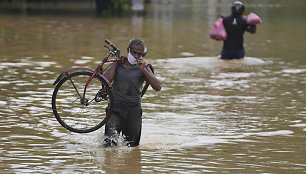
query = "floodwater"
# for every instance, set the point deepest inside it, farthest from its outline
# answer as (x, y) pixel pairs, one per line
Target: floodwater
(243, 116)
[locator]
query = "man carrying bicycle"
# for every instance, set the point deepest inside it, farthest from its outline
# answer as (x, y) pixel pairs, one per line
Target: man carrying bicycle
(128, 78)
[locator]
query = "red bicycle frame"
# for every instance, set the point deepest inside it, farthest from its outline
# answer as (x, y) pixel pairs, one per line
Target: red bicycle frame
(95, 72)
(112, 52)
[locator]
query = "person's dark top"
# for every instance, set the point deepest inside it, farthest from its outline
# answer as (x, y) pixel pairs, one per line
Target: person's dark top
(128, 85)
(235, 26)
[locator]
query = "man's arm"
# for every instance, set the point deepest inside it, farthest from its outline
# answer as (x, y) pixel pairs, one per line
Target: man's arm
(111, 72)
(153, 81)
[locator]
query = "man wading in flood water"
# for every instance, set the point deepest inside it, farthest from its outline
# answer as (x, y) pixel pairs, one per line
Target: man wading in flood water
(235, 26)
(128, 78)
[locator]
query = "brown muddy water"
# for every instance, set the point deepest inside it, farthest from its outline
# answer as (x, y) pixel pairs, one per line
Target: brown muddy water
(245, 116)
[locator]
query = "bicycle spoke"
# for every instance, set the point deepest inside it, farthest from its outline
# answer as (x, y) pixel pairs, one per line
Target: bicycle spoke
(75, 100)
(75, 115)
(66, 74)
(91, 101)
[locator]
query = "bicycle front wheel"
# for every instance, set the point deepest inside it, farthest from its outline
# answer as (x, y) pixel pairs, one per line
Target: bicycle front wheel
(75, 114)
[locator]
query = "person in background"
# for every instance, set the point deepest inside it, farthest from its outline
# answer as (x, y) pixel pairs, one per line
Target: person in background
(128, 78)
(235, 26)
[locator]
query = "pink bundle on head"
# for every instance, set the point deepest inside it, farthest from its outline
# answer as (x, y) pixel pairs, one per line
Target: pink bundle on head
(253, 19)
(218, 32)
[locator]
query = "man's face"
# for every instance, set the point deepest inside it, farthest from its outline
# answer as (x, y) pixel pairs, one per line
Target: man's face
(137, 51)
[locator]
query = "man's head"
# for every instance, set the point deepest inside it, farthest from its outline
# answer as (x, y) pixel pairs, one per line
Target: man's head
(137, 48)
(237, 8)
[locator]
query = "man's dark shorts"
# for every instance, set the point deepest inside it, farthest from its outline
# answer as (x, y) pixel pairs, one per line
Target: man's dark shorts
(126, 120)
(230, 54)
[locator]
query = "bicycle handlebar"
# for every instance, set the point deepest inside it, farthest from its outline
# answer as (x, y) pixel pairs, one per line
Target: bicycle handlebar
(111, 44)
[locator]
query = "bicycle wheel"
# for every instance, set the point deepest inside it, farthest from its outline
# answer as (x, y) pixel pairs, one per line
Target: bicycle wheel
(77, 115)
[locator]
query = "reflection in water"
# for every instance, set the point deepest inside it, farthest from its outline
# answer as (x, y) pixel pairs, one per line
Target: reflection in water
(119, 160)
(137, 22)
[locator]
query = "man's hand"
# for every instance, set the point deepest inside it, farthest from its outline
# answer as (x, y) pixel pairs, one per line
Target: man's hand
(141, 64)
(123, 59)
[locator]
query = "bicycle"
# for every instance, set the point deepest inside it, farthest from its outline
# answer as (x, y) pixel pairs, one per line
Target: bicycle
(85, 112)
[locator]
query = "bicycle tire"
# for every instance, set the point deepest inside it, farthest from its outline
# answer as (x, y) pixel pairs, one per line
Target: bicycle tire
(68, 108)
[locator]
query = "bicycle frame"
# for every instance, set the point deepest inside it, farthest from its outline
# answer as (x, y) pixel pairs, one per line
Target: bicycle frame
(95, 72)
(114, 52)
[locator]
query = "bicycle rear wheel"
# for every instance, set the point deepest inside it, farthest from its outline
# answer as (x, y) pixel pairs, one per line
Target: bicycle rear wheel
(77, 115)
